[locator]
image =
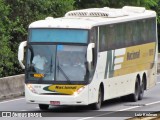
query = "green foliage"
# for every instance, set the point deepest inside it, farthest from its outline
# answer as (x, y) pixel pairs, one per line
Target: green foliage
(5, 52)
(144, 3)
(115, 3)
(16, 15)
(81, 4)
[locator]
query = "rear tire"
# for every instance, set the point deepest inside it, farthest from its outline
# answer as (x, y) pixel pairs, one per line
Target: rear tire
(97, 105)
(43, 107)
(135, 96)
(141, 93)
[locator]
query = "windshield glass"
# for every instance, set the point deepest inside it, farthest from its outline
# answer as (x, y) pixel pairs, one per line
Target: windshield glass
(71, 63)
(40, 61)
(56, 63)
(58, 35)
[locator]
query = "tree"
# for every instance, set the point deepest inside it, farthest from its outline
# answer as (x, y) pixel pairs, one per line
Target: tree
(81, 4)
(16, 15)
(6, 54)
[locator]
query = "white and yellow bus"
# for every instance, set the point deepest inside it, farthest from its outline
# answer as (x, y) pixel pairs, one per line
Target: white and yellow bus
(89, 56)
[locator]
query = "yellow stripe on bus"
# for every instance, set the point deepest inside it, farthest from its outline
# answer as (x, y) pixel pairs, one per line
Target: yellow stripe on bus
(137, 58)
(65, 89)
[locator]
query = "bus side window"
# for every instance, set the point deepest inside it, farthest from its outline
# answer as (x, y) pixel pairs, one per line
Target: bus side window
(143, 29)
(102, 39)
(120, 33)
(111, 39)
(135, 33)
(152, 29)
(93, 39)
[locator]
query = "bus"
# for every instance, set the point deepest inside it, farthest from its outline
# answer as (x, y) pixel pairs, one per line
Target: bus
(89, 56)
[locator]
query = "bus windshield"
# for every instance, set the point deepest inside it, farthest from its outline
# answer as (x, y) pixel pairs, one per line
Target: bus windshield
(56, 63)
(58, 35)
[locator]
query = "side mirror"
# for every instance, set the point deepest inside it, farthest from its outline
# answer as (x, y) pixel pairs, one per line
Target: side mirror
(90, 54)
(21, 53)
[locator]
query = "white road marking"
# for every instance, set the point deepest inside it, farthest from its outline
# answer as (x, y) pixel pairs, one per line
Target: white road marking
(87, 118)
(23, 110)
(153, 103)
(129, 108)
(119, 110)
(11, 100)
(97, 115)
(158, 82)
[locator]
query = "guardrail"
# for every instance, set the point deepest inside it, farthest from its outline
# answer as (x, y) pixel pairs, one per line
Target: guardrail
(12, 86)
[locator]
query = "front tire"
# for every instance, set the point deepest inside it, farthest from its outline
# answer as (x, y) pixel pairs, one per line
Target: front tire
(97, 105)
(43, 107)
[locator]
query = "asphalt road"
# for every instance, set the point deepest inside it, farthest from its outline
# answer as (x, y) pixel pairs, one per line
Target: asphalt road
(116, 109)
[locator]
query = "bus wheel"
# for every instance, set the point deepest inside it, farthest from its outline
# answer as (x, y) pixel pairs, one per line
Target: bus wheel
(43, 107)
(135, 95)
(97, 105)
(141, 93)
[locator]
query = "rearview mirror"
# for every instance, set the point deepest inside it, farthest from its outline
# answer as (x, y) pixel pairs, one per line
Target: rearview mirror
(21, 53)
(90, 54)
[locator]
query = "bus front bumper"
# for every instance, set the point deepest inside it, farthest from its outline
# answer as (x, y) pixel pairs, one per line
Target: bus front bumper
(75, 99)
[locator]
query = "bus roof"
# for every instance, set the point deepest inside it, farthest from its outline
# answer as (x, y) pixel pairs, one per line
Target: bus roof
(88, 18)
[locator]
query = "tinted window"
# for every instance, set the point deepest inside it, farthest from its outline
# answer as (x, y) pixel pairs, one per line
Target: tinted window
(127, 34)
(58, 35)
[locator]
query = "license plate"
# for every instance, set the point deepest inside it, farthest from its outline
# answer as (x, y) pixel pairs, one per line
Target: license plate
(55, 102)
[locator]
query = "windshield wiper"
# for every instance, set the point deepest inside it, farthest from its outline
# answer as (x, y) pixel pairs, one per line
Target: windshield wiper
(64, 74)
(62, 71)
(51, 65)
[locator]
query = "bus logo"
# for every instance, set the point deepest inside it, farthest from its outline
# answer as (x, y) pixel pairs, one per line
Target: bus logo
(133, 55)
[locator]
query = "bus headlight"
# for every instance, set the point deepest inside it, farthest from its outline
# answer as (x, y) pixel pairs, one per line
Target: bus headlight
(31, 88)
(79, 90)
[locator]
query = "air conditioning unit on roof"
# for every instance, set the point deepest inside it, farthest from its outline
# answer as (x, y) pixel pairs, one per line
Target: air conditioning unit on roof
(96, 12)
